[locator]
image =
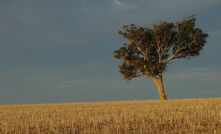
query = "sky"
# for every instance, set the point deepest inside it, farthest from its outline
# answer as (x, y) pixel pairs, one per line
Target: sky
(54, 51)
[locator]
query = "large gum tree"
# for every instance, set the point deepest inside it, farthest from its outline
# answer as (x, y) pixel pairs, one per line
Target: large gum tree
(148, 51)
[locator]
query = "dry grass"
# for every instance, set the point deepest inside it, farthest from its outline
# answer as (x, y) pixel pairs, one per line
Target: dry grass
(174, 116)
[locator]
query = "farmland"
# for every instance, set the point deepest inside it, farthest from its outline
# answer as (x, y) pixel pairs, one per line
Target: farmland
(122, 117)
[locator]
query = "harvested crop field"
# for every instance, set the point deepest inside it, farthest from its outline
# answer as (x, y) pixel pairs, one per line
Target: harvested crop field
(123, 117)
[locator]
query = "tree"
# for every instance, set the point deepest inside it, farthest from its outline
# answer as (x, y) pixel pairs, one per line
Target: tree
(148, 51)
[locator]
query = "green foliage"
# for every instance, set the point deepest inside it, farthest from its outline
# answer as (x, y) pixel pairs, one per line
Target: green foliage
(149, 50)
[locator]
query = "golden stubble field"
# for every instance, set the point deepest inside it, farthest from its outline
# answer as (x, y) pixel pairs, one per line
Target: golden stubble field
(193, 116)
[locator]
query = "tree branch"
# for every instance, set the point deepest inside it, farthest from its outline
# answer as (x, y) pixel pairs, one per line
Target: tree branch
(158, 52)
(172, 57)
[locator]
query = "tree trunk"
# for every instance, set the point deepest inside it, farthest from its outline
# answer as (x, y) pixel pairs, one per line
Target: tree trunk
(160, 88)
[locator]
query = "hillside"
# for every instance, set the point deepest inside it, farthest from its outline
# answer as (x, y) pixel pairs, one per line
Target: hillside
(173, 116)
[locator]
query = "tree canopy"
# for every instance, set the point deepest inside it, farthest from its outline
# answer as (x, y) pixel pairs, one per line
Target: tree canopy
(148, 51)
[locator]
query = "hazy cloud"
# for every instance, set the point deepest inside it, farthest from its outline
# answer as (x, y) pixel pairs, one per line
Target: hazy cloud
(29, 26)
(125, 4)
(53, 50)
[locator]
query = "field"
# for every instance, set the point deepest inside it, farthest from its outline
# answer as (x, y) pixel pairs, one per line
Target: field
(191, 116)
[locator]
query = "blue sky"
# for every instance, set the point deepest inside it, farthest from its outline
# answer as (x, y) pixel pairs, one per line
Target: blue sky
(61, 51)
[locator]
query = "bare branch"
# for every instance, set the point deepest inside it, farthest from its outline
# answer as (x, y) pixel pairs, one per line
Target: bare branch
(158, 48)
(172, 57)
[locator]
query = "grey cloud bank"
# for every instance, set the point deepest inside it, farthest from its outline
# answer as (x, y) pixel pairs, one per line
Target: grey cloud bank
(56, 51)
